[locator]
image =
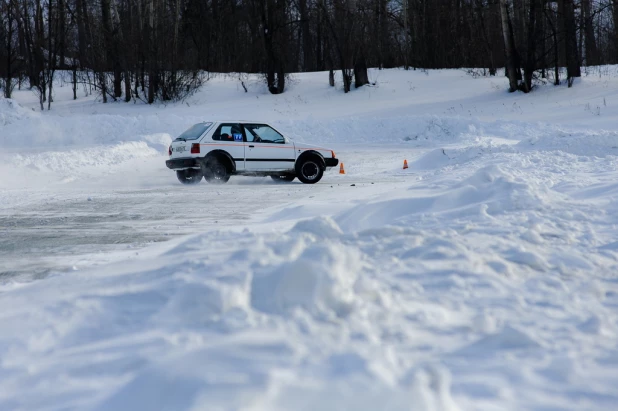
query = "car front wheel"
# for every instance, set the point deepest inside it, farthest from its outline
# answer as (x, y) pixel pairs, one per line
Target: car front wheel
(310, 170)
(189, 176)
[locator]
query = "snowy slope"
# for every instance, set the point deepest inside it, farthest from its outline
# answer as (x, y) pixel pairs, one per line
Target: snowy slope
(481, 278)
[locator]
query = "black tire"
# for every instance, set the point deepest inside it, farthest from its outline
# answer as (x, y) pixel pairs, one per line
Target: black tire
(310, 170)
(215, 171)
(189, 176)
(283, 178)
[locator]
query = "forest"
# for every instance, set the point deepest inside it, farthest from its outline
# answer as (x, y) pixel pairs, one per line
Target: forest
(160, 50)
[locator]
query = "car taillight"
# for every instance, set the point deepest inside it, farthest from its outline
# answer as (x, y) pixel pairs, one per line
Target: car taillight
(195, 148)
(169, 150)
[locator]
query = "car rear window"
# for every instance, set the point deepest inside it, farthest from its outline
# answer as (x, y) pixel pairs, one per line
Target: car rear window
(195, 131)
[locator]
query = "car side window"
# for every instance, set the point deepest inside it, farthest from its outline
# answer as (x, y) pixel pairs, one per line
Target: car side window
(261, 133)
(228, 132)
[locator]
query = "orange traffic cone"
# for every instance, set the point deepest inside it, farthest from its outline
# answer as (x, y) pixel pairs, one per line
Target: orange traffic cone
(341, 170)
(405, 164)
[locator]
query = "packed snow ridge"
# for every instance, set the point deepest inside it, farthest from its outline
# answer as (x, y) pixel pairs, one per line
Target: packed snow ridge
(483, 277)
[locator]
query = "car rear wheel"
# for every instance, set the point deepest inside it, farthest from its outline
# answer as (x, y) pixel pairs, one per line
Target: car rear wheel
(310, 170)
(283, 178)
(215, 172)
(189, 176)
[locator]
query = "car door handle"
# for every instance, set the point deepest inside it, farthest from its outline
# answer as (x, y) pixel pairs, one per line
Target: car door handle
(251, 146)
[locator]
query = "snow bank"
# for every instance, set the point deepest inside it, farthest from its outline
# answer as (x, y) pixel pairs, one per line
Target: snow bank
(80, 146)
(74, 162)
(415, 130)
(445, 157)
(599, 143)
(35, 131)
(49, 132)
(11, 112)
(459, 139)
(489, 192)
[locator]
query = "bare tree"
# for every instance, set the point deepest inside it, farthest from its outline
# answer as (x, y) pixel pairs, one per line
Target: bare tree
(588, 30)
(509, 46)
(8, 41)
(556, 45)
(155, 49)
(567, 20)
(533, 33)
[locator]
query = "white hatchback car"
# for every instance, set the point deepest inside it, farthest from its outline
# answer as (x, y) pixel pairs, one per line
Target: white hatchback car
(217, 150)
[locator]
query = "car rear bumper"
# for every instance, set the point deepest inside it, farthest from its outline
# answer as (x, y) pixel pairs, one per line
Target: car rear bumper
(331, 162)
(181, 163)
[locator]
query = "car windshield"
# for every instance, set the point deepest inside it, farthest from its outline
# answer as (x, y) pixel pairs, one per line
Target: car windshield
(194, 132)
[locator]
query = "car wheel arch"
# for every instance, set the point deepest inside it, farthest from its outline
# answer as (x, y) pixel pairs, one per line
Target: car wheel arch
(311, 153)
(222, 156)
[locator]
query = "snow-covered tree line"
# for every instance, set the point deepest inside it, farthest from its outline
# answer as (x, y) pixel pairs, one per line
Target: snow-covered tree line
(158, 49)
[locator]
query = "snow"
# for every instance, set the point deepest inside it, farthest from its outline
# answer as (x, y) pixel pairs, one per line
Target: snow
(481, 278)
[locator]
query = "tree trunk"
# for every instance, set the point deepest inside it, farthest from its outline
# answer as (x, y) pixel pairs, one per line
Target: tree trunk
(49, 96)
(615, 21)
(61, 27)
(111, 46)
(271, 63)
(347, 80)
(406, 33)
(319, 57)
(51, 56)
(74, 70)
(127, 86)
(570, 46)
(8, 82)
(540, 21)
(280, 79)
(136, 83)
(592, 53)
(383, 35)
(118, 40)
(174, 63)
(487, 38)
(40, 46)
(103, 84)
(306, 37)
(341, 48)
(151, 56)
(81, 34)
(518, 22)
(533, 34)
(273, 16)
(556, 49)
(331, 78)
(508, 47)
(360, 73)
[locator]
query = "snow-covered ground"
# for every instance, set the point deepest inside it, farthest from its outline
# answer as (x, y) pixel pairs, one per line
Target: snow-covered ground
(484, 277)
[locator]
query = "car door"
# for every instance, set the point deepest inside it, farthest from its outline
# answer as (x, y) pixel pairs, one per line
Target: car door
(230, 137)
(267, 149)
